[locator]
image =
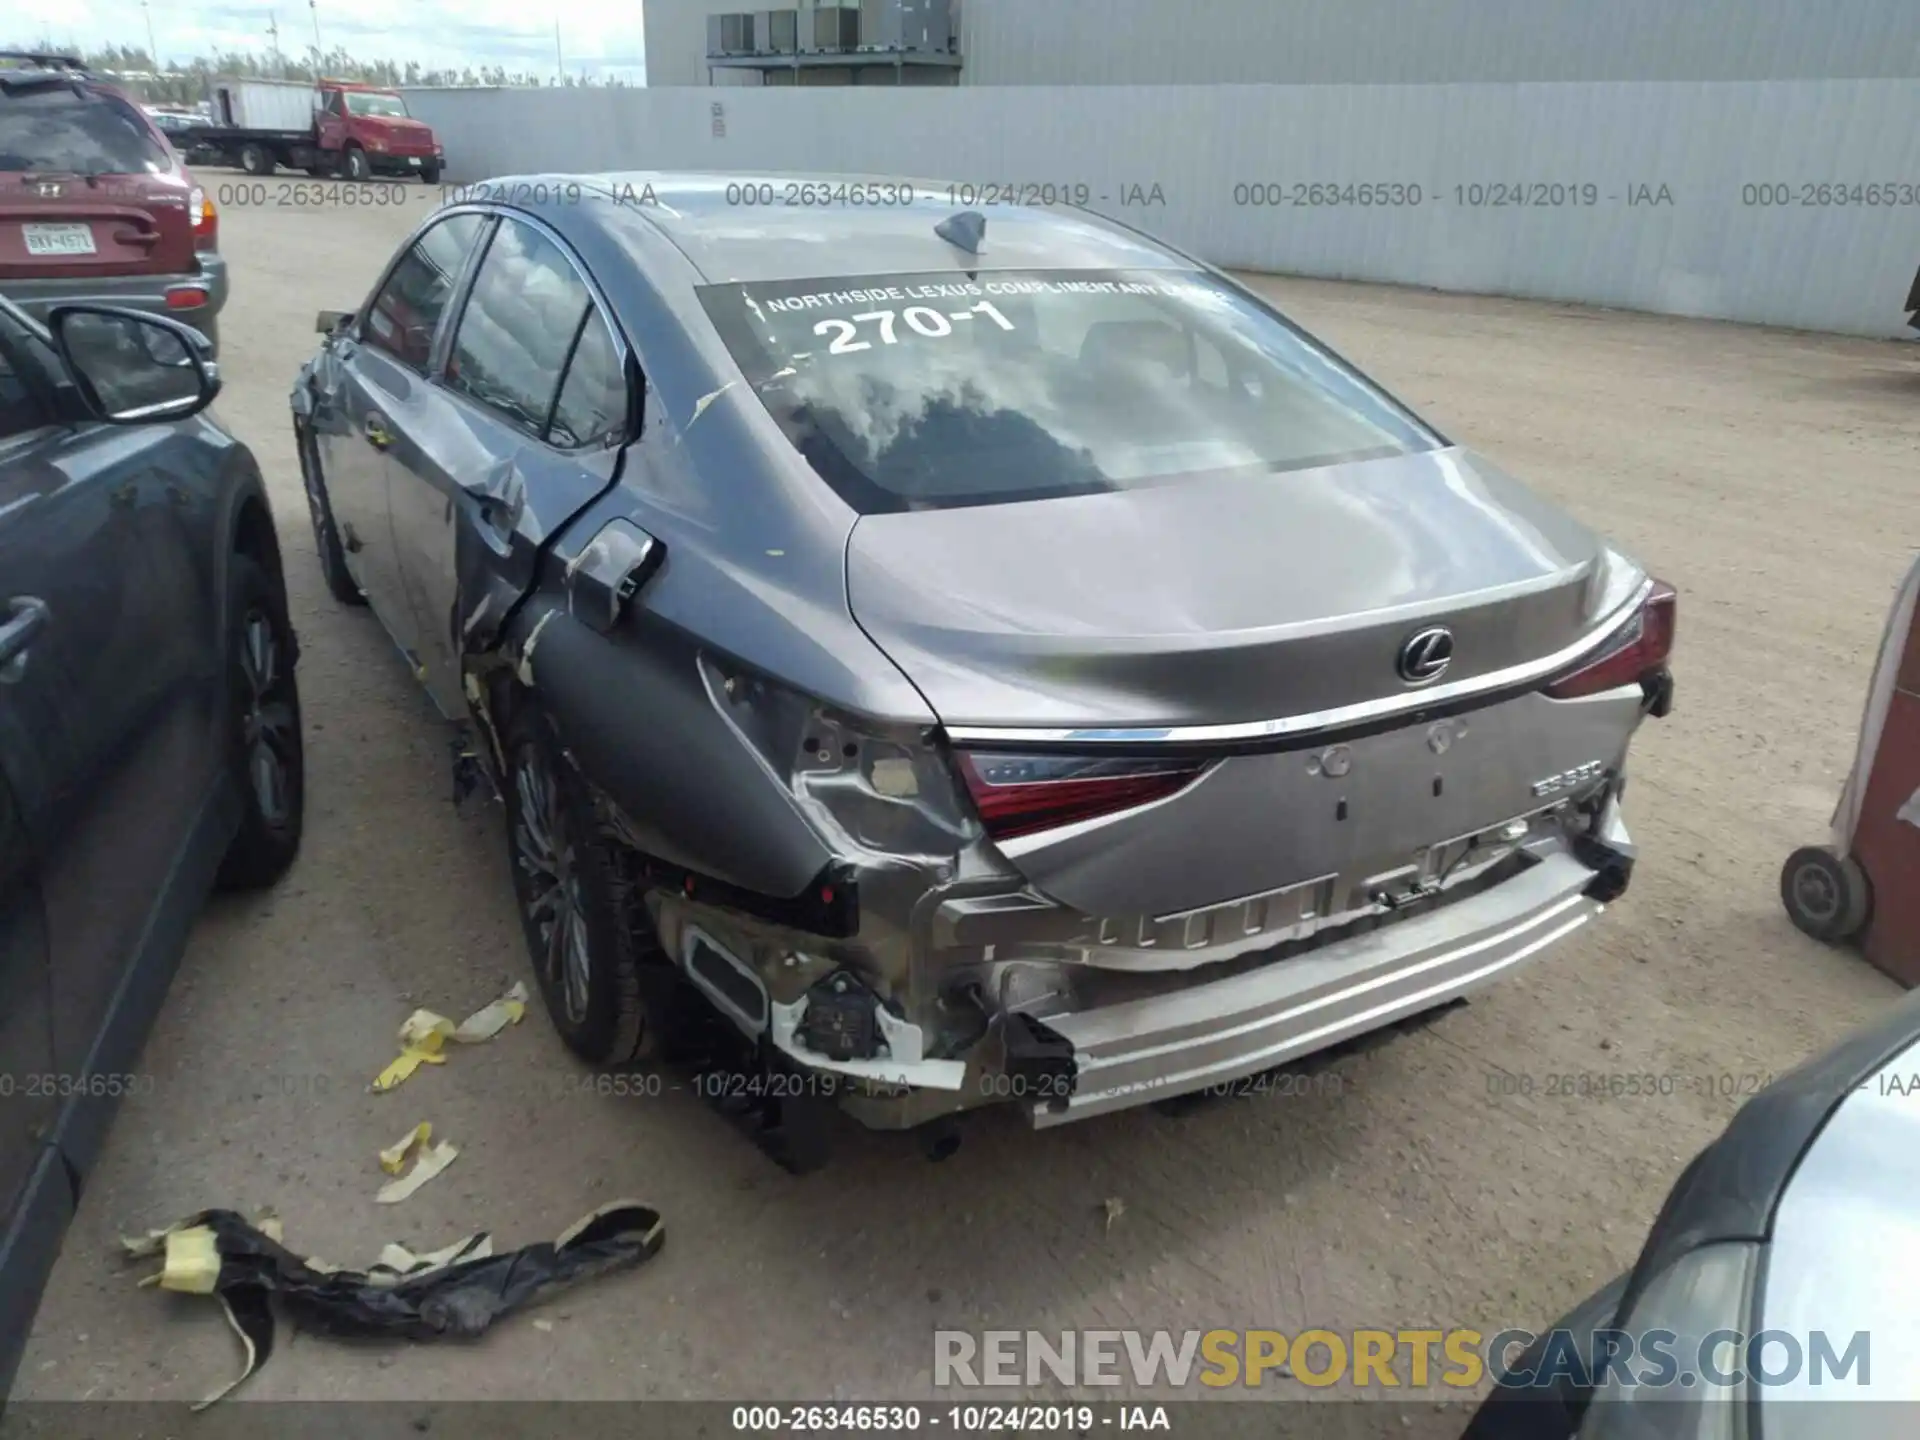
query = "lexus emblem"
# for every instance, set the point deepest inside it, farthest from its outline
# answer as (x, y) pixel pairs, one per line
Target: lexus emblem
(1426, 655)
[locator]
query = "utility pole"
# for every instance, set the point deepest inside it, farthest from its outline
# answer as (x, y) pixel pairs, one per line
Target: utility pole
(153, 50)
(313, 8)
(273, 39)
(559, 64)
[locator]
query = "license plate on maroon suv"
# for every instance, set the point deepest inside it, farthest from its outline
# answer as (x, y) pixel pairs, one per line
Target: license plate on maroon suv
(59, 239)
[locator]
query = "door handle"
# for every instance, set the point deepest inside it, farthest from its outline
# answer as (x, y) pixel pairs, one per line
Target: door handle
(27, 616)
(377, 433)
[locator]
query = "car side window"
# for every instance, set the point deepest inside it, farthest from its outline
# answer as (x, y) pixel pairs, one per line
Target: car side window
(592, 408)
(403, 316)
(519, 323)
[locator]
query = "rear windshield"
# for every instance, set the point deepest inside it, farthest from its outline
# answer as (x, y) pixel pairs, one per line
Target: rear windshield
(362, 103)
(59, 130)
(928, 391)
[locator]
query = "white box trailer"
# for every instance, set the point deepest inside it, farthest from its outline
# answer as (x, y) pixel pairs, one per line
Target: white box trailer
(263, 104)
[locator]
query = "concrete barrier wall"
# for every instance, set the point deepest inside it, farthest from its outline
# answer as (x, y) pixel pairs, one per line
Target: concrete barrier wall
(1791, 203)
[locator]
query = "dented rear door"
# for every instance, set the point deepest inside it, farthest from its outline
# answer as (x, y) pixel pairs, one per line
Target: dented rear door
(519, 433)
(372, 389)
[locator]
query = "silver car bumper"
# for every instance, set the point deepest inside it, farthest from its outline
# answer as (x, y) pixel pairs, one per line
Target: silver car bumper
(1205, 1034)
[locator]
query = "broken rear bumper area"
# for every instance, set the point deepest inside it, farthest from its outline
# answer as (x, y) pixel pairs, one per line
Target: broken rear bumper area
(1209, 1033)
(1066, 1041)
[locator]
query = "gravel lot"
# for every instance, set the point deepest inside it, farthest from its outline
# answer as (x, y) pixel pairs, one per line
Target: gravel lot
(1770, 476)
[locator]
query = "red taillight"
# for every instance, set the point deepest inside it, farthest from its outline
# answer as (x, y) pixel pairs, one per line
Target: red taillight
(1645, 646)
(206, 220)
(186, 297)
(1019, 794)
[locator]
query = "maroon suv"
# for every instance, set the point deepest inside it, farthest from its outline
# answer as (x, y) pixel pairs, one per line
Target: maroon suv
(95, 204)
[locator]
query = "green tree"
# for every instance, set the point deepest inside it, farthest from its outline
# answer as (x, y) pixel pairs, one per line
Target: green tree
(189, 82)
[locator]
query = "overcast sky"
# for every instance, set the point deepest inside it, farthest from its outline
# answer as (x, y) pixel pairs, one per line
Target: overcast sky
(599, 36)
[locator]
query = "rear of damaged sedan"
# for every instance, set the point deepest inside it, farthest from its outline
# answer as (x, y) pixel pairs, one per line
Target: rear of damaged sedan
(1028, 668)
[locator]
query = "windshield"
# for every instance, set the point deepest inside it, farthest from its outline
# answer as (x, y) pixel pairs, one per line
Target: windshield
(58, 130)
(926, 391)
(364, 102)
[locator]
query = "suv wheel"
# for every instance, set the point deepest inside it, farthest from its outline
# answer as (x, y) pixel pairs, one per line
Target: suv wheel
(430, 173)
(256, 159)
(355, 166)
(268, 756)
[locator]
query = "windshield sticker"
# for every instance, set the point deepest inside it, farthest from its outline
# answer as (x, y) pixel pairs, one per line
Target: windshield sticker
(851, 334)
(846, 299)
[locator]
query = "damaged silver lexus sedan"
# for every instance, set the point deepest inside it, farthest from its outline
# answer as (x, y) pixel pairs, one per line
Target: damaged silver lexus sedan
(987, 658)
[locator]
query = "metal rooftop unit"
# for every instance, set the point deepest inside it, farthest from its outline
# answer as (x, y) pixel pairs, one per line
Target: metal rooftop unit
(837, 34)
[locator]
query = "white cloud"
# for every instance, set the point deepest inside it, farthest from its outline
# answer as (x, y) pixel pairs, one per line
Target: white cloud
(596, 36)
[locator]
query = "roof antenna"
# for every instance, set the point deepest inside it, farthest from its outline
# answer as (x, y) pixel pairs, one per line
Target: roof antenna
(964, 231)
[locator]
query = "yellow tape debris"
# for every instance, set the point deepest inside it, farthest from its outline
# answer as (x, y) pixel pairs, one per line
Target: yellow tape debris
(394, 1158)
(424, 1035)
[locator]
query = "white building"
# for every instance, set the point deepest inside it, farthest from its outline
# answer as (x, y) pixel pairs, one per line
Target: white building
(1251, 42)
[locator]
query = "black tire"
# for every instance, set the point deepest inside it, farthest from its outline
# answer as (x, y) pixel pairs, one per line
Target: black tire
(268, 755)
(1826, 895)
(595, 958)
(355, 165)
(256, 159)
(326, 535)
(430, 174)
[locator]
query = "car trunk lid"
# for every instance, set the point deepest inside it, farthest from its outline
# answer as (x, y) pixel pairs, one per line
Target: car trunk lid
(1227, 659)
(1223, 603)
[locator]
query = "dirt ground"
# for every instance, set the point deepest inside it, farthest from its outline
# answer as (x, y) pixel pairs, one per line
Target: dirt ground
(1774, 478)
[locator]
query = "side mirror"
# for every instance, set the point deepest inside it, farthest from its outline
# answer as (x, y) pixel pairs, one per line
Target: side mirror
(329, 321)
(132, 368)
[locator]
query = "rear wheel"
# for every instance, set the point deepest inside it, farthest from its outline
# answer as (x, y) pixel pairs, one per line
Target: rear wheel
(267, 756)
(595, 957)
(430, 173)
(355, 165)
(1827, 895)
(256, 159)
(326, 534)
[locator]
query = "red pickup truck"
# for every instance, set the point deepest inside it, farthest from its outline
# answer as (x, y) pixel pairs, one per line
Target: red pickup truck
(330, 127)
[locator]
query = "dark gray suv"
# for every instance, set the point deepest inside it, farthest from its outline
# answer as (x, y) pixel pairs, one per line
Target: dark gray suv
(149, 729)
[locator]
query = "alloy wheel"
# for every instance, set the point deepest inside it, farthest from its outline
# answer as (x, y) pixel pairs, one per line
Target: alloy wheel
(267, 725)
(555, 907)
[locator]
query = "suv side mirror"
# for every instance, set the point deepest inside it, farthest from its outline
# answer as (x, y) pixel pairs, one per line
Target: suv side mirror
(132, 368)
(329, 321)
